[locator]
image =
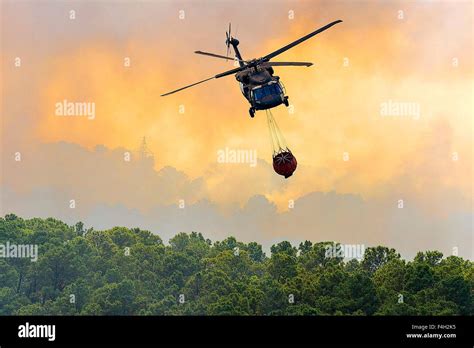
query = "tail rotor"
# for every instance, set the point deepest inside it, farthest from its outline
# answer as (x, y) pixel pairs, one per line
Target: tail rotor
(228, 40)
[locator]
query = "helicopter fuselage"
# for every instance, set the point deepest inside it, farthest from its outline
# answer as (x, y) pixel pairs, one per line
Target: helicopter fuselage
(261, 88)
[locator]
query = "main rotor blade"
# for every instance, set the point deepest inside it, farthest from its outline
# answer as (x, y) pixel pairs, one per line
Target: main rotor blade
(225, 73)
(218, 56)
(194, 84)
(297, 42)
(230, 72)
(286, 64)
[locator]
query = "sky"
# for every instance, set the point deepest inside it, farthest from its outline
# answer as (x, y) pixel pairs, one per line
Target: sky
(366, 174)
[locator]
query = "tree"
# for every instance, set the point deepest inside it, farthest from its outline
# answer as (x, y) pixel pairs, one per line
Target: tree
(377, 257)
(457, 290)
(432, 258)
(419, 276)
(122, 271)
(284, 247)
(305, 247)
(79, 228)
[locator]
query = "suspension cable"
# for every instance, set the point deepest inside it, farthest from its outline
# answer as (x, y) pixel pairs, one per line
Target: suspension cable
(277, 139)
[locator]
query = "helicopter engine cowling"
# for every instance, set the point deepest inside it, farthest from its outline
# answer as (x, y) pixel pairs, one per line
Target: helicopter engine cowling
(261, 77)
(243, 77)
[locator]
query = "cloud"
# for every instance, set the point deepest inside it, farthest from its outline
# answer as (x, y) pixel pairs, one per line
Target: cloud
(100, 175)
(316, 217)
(109, 191)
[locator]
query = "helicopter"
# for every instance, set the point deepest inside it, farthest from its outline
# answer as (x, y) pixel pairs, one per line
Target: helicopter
(256, 78)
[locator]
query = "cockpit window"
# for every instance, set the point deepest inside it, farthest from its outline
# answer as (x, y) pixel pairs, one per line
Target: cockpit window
(261, 92)
(258, 93)
(276, 88)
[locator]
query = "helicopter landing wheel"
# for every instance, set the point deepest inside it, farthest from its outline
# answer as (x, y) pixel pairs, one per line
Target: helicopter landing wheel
(285, 101)
(252, 112)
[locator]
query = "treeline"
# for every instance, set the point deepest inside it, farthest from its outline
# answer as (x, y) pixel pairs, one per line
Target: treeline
(131, 272)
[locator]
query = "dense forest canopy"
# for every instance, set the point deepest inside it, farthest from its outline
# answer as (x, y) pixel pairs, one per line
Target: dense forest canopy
(125, 271)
